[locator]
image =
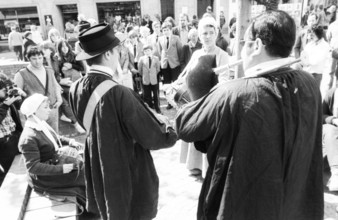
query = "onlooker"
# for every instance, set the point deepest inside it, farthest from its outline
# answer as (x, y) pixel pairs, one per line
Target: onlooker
(135, 52)
(170, 50)
(209, 11)
(321, 21)
(183, 28)
(15, 43)
(147, 22)
(121, 179)
(189, 48)
(149, 68)
(53, 36)
(194, 22)
(154, 37)
(305, 35)
(316, 57)
(330, 132)
(36, 34)
(10, 126)
(207, 31)
(52, 169)
(221, 42)
(69, 67)
(171, 20)
(262, 133)
(332, 38)
(27, 43)
(144, 35)
(71, 70)
(35, 78)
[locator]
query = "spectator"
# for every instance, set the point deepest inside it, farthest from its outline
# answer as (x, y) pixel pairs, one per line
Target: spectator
(135, 48)
(10, 126)
(189, 48)
(209, 11)
(154, 37)
(121, 180)
(330, 132)
(305, 35)
(221, 42)
(332, 38)
(126, 76)
(35, 78)
(170, 50)
(316, 57)
(321, 21)
(53, 36)
(144, 35)
(196, 162)
(27, 43)
(15, 42)
(171, 21)
(36, 34)
(183, 28)
(52, 169)
(70, 70)
(149, 68)
(194, 22)
(147, 22)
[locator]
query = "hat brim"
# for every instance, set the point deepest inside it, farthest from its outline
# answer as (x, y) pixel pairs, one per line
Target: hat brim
(85, 56)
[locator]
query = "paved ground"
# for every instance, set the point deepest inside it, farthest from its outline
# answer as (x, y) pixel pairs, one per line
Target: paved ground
(179, 191)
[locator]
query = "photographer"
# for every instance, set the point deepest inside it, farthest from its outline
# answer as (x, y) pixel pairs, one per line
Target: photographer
(10, 125)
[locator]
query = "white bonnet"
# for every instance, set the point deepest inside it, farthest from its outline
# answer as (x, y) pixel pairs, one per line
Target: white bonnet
(31, 104)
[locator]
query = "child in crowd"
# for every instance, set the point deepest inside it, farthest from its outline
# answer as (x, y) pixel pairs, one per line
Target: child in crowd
(149, 67)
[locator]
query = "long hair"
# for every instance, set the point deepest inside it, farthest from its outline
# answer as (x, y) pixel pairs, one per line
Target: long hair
(70, 56)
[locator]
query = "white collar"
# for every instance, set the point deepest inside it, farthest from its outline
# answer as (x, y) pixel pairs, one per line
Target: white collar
(101, 69)
(268, 65)
(33, 125)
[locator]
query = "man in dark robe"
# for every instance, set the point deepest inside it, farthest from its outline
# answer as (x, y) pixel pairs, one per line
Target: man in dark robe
(121, 180)
(261, 133)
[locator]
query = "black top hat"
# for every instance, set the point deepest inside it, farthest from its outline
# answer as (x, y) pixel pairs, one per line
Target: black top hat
(96, 40)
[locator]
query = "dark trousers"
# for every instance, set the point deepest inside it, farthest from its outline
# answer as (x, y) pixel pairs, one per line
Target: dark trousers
(137, 81)
(151, 96)
(8, 150)
(65, 107)
(170, 74)
(18, 52)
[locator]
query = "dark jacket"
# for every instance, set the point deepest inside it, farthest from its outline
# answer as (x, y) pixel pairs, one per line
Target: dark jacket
(187, 52)
(45, 176)
(121, 179)
(263, 140)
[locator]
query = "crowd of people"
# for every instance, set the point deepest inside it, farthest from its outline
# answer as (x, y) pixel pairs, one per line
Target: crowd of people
(258, 142)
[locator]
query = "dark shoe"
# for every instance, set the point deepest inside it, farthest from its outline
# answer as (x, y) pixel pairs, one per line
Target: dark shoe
(169, 107)
(159, 112)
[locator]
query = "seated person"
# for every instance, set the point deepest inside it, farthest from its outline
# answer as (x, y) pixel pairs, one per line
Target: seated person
(52, 169)
(330, 135)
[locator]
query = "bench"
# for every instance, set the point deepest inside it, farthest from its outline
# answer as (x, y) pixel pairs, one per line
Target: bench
(19, 201)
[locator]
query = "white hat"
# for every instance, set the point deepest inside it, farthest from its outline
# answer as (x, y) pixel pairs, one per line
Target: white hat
(31, 104)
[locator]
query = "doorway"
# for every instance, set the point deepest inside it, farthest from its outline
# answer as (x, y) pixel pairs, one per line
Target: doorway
(202, 5)
(167, 9)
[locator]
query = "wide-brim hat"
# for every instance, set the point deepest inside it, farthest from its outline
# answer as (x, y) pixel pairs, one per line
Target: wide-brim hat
(96, 40)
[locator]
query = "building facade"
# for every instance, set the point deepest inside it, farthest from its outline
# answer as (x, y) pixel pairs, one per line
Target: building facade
(55, 13)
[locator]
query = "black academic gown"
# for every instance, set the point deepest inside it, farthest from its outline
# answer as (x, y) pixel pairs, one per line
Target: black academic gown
(121, 180)
(264, 147)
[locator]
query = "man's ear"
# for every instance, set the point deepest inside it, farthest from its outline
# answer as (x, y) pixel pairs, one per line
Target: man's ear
(258, 46)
